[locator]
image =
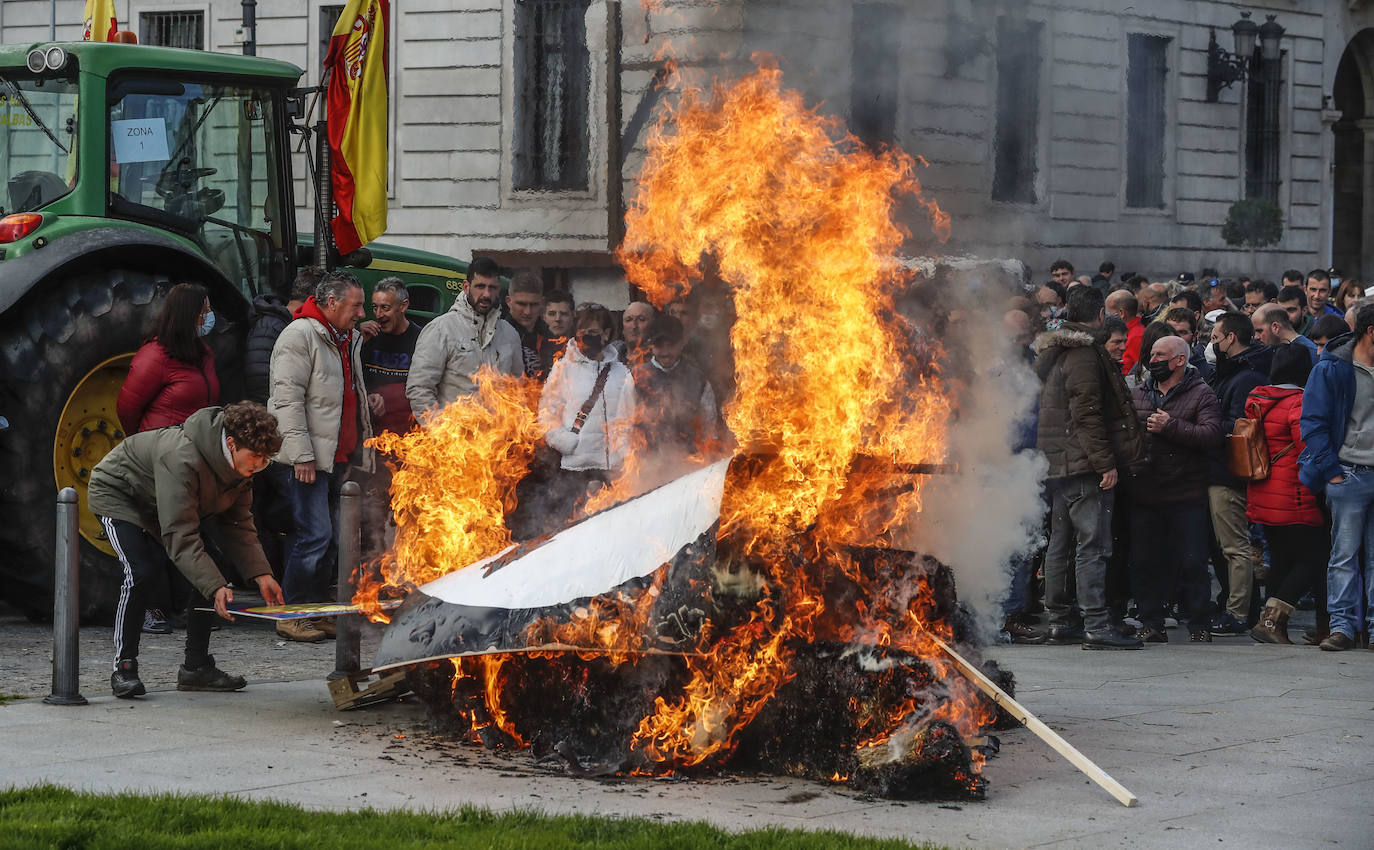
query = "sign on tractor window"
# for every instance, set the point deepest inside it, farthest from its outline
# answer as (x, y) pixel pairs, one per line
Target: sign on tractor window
(140, 140)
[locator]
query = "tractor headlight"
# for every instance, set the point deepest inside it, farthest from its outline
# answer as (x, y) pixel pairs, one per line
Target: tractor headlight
(38, 60)
(55, 59)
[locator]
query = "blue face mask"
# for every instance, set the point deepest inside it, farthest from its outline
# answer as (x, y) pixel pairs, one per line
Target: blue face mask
(207, 324)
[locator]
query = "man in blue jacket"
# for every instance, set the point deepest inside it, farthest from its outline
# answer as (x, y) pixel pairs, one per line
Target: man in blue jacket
(1338, 428)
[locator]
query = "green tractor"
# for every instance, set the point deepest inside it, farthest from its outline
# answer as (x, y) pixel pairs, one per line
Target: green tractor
(124, 169)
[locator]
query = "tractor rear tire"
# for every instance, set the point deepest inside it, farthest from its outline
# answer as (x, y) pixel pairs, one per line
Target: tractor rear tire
(48, 343)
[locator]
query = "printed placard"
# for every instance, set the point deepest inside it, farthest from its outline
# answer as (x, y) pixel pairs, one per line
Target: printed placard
(140, 140)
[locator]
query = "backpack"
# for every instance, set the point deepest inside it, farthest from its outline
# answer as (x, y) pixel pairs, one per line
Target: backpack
(1247, 450)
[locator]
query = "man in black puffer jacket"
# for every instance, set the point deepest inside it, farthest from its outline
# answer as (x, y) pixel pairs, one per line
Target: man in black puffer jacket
(271, 506)
(1241, 367)
(269, 318)
(1089, 433)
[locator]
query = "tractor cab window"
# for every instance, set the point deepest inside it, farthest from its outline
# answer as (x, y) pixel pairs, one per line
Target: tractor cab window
(202, 158)
(37, 141)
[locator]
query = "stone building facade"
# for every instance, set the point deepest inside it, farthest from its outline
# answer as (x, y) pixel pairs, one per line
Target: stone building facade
(1074, 128)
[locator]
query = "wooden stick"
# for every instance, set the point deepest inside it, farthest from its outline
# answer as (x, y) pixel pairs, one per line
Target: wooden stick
(1033, 723)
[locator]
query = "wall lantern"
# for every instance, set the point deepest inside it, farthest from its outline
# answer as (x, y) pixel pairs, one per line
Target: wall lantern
(1224, 68)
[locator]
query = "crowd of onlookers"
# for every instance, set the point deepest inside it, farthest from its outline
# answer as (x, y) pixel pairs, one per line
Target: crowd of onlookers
(1195, 430)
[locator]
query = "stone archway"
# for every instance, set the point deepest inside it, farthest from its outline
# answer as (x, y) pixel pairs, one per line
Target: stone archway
(1353, 162)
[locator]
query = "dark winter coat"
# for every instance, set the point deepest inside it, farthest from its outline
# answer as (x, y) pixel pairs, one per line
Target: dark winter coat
(1086, 424)
(1326, 406)
(1280, 499)
(161, 391)
(1232, 381)
(270, 317)
(1177, 467)
(168, 482)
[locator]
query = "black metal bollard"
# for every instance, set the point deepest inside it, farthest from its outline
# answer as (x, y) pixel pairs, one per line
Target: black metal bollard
(66, 619)
(347, 645)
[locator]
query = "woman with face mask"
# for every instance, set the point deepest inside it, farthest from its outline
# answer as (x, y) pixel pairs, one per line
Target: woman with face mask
(171, 377)
(586, 410)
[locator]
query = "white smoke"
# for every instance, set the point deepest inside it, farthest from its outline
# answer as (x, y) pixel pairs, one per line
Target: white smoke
(976, 519)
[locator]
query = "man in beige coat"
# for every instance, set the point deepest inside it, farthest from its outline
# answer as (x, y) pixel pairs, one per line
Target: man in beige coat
(455, 345)
(320, 402)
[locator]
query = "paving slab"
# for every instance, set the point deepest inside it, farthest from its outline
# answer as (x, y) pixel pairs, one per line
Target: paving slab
(1222, 743)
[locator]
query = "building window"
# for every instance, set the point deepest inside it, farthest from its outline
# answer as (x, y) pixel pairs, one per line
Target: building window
(1146, 113)
(552, 93)
(874, 39)
(329, 18)
(172, 29)
(1263, 91)
(1016, 145)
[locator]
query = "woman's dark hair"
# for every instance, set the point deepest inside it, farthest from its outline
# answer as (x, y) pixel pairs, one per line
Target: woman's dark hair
(1153, 333)
(1291, 365)
(175, 325)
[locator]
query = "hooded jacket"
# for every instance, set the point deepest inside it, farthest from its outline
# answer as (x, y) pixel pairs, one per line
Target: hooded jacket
(161, 391)
(308, 386)
(452, 348)
(603, 440)
(1177, 467)
(1233, 380)
(1280, 499)
(270, 317)
(170, 480)
(1326, 405)
(1086, 424)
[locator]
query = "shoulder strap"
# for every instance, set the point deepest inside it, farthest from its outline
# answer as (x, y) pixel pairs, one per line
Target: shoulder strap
(601, 378)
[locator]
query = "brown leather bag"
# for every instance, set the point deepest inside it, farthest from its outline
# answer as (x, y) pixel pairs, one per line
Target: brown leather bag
(1247, 451)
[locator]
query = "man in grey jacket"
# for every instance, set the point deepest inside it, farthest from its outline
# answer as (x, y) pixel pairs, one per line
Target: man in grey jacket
(152, 493)
(320, 401)
(454, 346)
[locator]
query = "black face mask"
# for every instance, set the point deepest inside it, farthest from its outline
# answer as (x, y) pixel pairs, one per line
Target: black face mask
(591, 343)
(1160, 370)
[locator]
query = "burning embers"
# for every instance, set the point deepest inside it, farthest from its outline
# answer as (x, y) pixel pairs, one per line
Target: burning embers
(721, 618)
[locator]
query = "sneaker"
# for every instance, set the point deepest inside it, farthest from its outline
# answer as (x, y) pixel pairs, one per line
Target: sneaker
(1109, 639)
(124, 681)
(1151, 635)
(1019, 632)
(1199, 636)
(207, 677)
(326, 625)
(302, 630)
(154, 623)
(1227, 626)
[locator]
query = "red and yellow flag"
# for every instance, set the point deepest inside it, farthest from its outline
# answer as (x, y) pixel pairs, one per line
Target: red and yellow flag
(99, 21)
(357, 102)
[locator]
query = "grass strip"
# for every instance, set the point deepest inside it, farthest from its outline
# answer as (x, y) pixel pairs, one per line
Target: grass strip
(47, 816)
(6, 699)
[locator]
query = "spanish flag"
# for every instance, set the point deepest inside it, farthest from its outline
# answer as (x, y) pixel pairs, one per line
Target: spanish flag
(98, 12)
(357, 102)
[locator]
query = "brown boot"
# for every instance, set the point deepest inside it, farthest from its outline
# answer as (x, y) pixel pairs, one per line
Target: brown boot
(302, 630)
(326, 625)
(1320, 633)
(1273, 622)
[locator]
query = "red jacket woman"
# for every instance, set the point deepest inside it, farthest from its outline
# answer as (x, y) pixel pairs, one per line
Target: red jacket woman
(1280, 499)
(173, 373)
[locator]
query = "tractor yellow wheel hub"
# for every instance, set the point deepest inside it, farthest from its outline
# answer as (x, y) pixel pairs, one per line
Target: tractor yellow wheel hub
(88, 430)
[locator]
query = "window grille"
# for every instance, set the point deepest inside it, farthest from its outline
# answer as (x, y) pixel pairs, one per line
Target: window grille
(1146, 113)
(875, 36)
(1016, 144)
(172, 29)
(552, 92)
(1263, 92)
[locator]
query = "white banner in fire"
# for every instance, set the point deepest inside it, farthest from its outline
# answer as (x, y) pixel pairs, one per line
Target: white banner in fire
(530, 596)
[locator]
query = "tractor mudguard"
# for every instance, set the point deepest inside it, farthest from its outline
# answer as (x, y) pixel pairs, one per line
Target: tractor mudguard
(108, 246)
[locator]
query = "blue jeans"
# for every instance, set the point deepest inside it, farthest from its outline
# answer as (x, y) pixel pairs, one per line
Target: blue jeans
(307, 575)
(1081, 535)
(1352, 532)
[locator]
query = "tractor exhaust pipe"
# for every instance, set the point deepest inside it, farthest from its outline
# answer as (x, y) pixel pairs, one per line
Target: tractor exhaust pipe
(347, 647)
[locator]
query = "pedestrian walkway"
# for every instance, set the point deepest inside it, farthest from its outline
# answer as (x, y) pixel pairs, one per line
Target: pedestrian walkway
(1228, 744)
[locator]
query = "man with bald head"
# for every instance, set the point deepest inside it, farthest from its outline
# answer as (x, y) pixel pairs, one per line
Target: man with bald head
(1272, 327)
(1125, 307)
(1169, 535)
